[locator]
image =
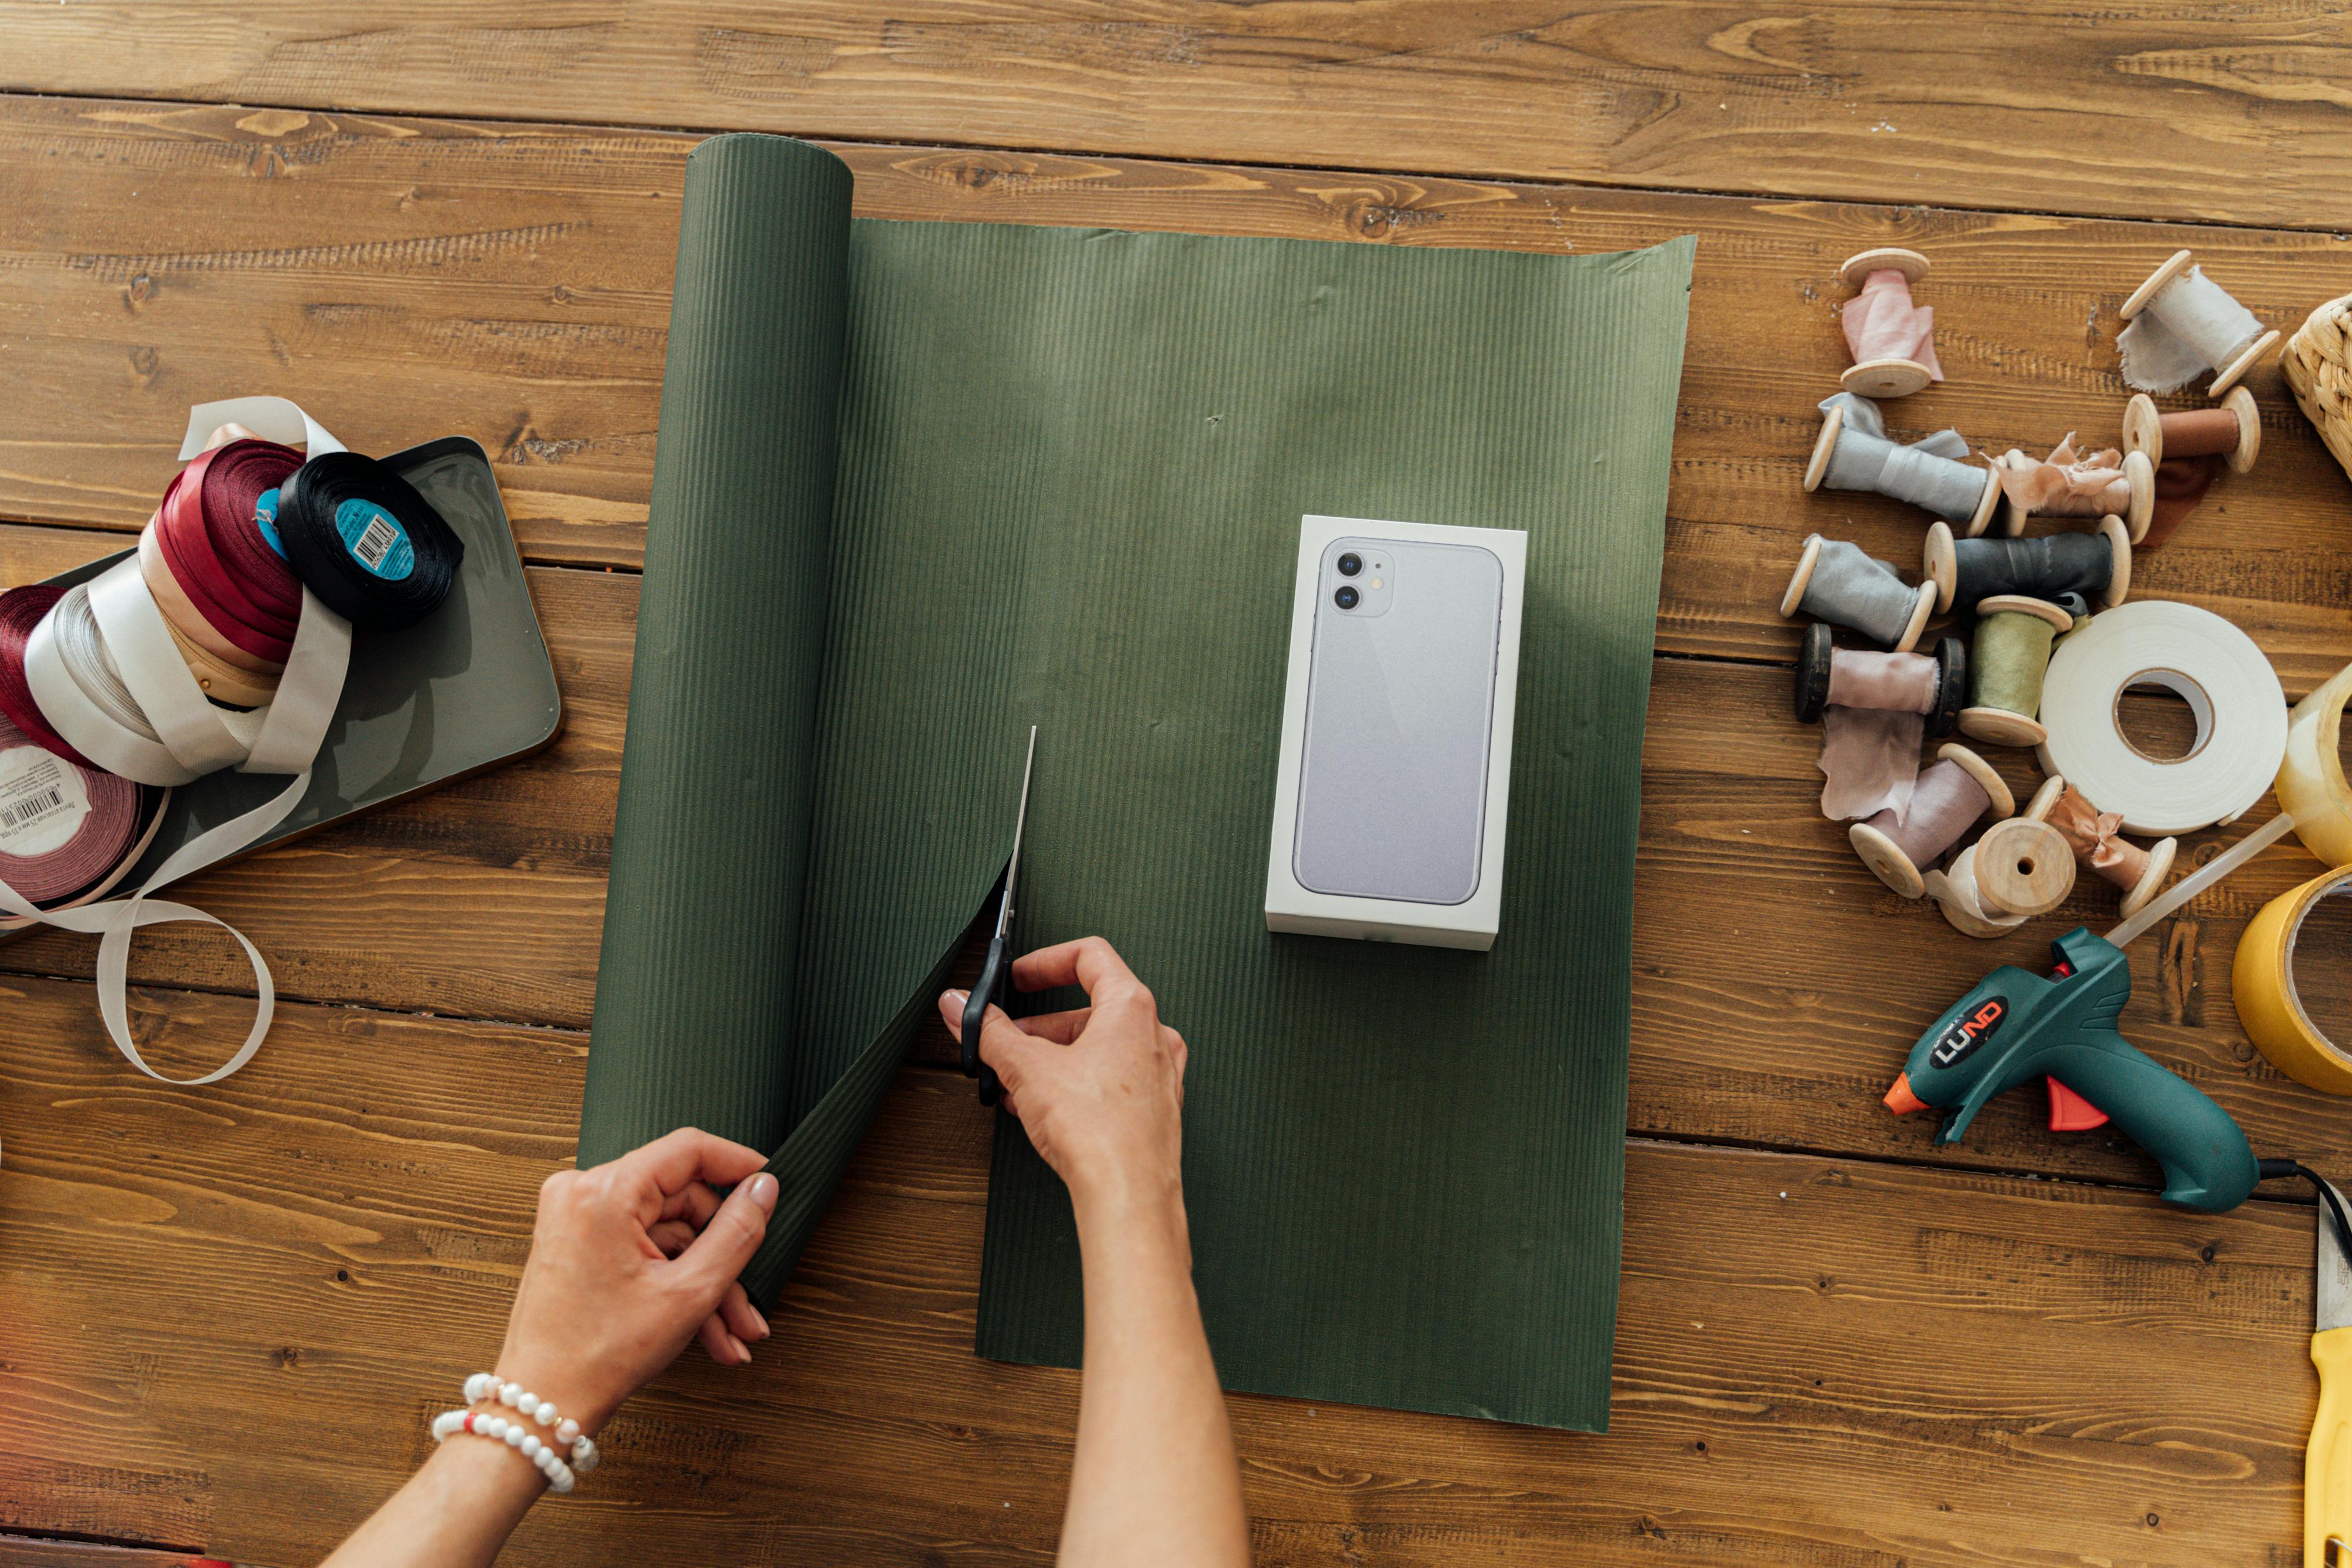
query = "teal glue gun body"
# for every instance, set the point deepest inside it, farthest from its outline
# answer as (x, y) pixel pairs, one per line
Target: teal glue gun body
(2015, 1026)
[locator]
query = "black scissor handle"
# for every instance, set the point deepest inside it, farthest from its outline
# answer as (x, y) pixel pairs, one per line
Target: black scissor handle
(989, 987)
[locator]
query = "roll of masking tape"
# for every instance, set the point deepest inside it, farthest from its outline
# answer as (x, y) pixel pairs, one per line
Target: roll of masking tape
(2263, 982)
(2231, 690)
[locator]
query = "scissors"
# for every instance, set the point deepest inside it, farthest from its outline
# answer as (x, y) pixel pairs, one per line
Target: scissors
(2327, 1459)
(996, 969)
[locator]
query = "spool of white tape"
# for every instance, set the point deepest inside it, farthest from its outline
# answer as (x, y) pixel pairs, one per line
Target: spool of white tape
(2228, 685)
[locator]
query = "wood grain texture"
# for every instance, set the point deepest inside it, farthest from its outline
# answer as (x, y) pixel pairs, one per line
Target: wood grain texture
(410, 277)
(1819, 1362)
(2144, 109)
(35, 1552)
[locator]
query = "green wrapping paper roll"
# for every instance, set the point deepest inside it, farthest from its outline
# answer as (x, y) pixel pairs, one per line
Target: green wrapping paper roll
(1066, 476)
(696, 989)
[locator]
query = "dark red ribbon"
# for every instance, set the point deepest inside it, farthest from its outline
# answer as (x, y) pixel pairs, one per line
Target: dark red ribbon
(21, 610)
(220, 593)
(240, 475)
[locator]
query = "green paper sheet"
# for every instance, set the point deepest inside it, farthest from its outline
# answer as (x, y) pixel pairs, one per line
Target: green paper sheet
(921, 485)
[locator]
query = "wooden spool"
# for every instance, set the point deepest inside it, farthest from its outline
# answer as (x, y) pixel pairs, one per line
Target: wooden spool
(2000, 726)
(1825, 444)
(2161, 854)
(2144, 428)
(1818, 649)
(2023, 867)
(1884, 378)
(2139, 473)
(1811, 555)
(2175, 266)
(1886, 858)
(1938, 563)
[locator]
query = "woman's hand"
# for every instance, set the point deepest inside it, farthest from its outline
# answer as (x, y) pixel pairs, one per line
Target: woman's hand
(630, 1259)
(1100, 1088)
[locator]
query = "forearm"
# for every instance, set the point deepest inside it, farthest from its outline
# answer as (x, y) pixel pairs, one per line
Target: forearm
(456, 1511)
(1155, 1480)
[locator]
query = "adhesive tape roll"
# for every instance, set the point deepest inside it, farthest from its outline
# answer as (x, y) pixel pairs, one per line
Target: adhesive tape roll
(2269, 1006)
(2311, 783)
(2228, 685)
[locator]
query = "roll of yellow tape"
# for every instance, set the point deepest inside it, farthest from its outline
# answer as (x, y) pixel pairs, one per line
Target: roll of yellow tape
(2262, 980)
(2310, 784)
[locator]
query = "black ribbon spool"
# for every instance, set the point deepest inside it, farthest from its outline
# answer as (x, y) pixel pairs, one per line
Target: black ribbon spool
(310, 518)
(1813, 658)
(2046, 568)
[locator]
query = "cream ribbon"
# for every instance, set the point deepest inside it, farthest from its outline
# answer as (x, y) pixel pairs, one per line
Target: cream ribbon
(195, 738)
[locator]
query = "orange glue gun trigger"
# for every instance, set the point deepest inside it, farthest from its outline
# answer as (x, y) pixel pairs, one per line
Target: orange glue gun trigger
(2070, 1113)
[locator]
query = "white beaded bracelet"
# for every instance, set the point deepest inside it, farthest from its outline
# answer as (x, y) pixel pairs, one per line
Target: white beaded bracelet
(486, 1385)
(498, 1428)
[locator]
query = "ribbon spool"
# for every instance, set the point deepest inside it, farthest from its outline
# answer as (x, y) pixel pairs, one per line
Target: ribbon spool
(2180, 323)
(2270, 1005)
(1968, 571)
(2019, 869)
(67, 833)
(2231, 692)
(2232, 432)
(2095, 840)
(2071, 485)
(1891, 338)
(1852, 452)
(1835, 582)
(63, 827)
(1932, 686)
(1948, 799)
(363, 541)
(2024, 867)
(21, 610)
(2014, 634)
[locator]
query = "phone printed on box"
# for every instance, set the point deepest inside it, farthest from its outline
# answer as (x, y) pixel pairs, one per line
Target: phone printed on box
(1396, 733)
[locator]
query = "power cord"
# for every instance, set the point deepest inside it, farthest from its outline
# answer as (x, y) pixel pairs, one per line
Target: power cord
(2279, 1170)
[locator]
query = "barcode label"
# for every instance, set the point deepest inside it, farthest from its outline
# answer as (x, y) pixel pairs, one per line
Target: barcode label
(26, 810)
(43, 799)
(376, 542)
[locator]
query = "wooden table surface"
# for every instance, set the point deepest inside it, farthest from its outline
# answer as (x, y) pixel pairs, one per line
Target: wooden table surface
(227, 1313)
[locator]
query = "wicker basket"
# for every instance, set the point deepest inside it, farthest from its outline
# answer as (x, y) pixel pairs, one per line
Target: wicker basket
(2317, 360)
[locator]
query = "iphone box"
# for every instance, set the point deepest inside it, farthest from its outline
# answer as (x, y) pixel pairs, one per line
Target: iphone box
(1396, 733)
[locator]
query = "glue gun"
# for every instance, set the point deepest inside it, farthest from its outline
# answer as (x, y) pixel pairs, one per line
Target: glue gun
(2016, 1025)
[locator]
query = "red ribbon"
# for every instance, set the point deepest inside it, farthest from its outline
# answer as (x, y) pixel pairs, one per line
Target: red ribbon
(240, 475)
(202, 528)
(21, 610)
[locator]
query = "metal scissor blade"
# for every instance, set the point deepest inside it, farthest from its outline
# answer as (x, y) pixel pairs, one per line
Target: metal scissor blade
(1020, 826)
(2332, 1281)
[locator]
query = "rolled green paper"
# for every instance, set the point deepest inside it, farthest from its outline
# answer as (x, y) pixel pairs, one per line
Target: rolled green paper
(697, 985)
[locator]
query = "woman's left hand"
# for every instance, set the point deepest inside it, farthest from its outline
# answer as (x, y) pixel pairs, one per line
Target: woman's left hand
(629, 1261)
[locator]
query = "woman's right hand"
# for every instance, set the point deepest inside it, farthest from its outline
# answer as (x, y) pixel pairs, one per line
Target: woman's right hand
(1100, 1089)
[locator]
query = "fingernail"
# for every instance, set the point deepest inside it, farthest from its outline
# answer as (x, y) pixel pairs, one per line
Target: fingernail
(742, 1351)
(762, 1318)
(763, 1192)
(955, 998)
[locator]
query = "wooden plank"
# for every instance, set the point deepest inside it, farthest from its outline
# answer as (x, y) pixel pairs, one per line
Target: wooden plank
(35, 1552)
(2140, 110)
(486, 900)
(407, 278)
(212, 1300)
